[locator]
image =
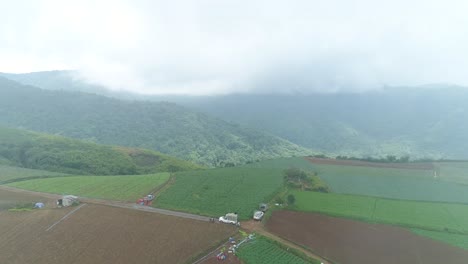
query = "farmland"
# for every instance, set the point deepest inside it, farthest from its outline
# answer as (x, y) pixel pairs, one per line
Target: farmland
(9, 173)
(264, 251)
(126, 188)
(396, 183)
(452, 239)
(423, 215)
(282, 163)
(452, 171)
(9, 199)
(216, 192)
(354, 242)
(102, 234)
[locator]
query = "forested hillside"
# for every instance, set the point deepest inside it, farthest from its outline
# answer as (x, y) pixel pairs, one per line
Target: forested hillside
(419, 122)
(55, 153)
(165, 127)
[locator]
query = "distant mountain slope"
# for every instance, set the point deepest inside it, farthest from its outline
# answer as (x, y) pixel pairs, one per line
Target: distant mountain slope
(430, 122)
(54, 80)
(55, 153)
(65, 81)
(165, 127)
(420, 122)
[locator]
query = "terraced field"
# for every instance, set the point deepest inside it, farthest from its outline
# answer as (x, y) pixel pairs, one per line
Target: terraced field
(124, 188)
(216, 192)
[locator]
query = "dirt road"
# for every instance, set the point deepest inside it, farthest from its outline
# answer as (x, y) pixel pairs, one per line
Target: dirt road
(114, 204)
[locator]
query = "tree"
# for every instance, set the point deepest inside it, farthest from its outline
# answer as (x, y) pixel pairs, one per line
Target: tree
(291, 199)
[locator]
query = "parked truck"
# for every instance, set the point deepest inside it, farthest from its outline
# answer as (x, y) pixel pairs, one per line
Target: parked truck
(230, 218)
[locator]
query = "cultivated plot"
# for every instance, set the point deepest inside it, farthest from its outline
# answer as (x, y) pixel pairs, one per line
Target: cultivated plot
(101, 234)
(425, 215)
(125, 188)
(418, 183)
(353, 242)
(264, 251)
(216, 192)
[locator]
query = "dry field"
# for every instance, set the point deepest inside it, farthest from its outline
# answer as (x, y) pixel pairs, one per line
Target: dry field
(352, 242)
(103, 234)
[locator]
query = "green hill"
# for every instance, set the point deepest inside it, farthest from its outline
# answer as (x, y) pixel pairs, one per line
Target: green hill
(55, 153)
(424, 122)
(165, 127)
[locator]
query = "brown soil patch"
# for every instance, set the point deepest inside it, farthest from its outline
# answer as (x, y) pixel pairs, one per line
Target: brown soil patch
(414, 166)
(352, 242)
(103, 234)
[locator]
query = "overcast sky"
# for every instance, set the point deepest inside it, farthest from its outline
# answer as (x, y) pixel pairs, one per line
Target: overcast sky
(215, 47)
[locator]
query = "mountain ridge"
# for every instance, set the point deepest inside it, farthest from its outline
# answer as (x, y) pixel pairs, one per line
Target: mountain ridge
(161, 126)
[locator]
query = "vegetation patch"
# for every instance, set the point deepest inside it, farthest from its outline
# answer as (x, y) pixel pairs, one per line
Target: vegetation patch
(305, 181)
(55, 153)
(24, 207)
(263, 250)
(127, 188)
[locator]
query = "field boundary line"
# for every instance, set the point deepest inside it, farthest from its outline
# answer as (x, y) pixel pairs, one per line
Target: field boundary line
(65, 217)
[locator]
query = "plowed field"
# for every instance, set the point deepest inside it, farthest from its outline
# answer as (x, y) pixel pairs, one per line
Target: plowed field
(102, 234)
(352, 242)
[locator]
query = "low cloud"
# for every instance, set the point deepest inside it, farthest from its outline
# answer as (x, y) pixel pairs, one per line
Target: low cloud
(218, 47)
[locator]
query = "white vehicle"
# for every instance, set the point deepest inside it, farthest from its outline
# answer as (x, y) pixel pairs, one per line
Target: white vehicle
(258, 215)
(230, 218)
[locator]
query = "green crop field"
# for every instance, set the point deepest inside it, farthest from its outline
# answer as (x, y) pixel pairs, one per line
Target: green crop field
(9, 173)
(452, 239)
(423, 215)
(264, 251)
(215, 192)
(126, 188)
(407, 184)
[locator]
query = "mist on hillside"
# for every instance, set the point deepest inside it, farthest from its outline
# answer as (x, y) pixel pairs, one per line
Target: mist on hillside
(211, 47)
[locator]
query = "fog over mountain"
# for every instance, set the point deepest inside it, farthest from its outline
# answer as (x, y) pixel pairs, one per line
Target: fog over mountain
(218, 47)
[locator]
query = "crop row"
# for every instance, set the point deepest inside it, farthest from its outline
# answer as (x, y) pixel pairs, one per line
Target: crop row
(424, 215)
(216, 192)
(394, 183)
(263, 251)
(127, 188)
